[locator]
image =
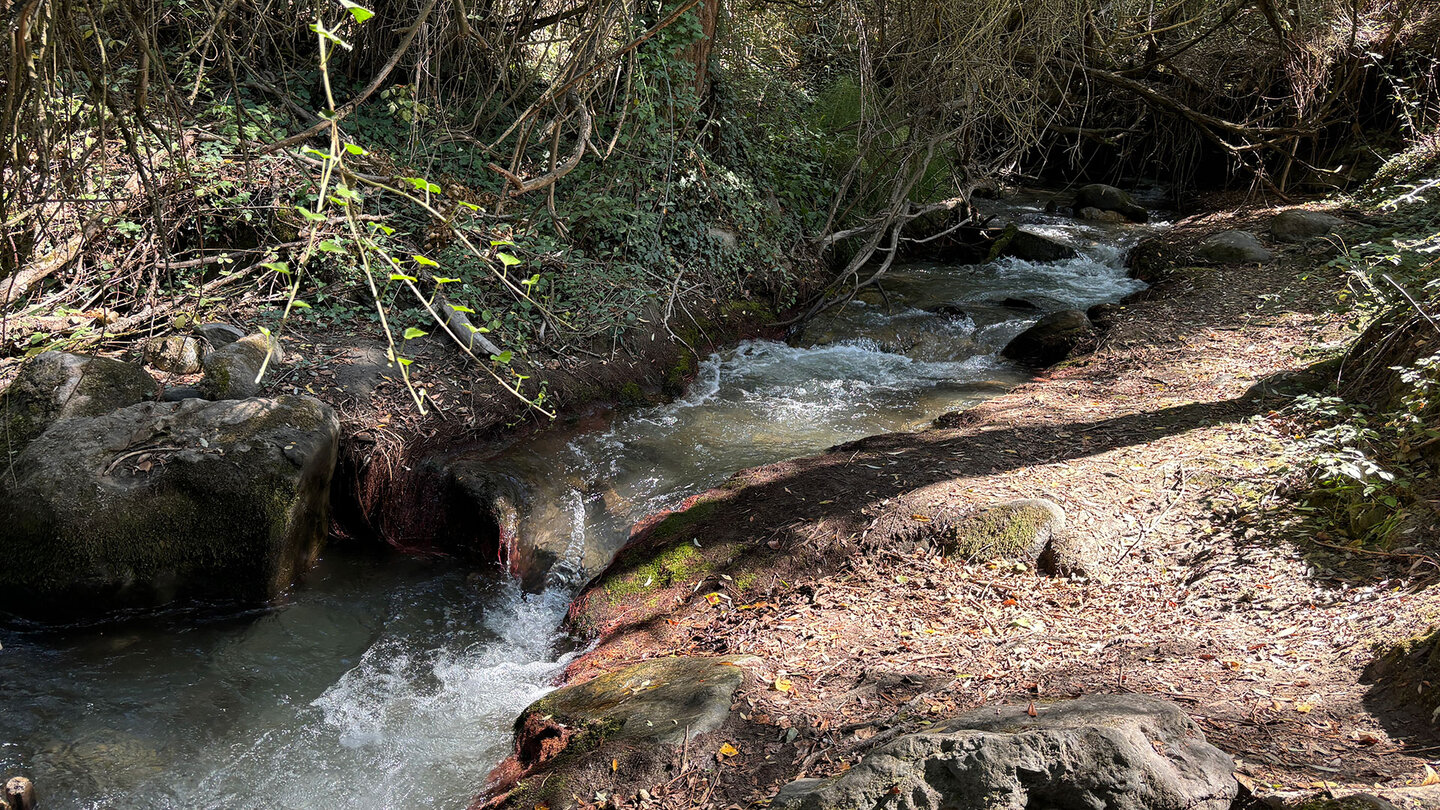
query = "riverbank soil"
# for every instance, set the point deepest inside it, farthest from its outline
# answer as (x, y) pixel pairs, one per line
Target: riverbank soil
(1164, 447)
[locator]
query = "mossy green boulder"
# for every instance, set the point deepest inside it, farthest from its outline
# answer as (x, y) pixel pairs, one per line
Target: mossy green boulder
(56, 385)
(163, 501)
(231, 371)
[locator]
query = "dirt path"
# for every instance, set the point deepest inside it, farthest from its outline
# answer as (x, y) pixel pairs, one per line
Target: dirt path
(1162, 456)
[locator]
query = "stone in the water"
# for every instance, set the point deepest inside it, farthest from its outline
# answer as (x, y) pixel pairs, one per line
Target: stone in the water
(1108, 198)
(1051, 339)
(1017, 303)
(1298, 225)
(55, 385)
(219, 335)
(1116, 752)
(230, 372)
(1098, 215)
(176, 354)
(1032, 247)
(160, 501)
(641, 715)
(1232, 247)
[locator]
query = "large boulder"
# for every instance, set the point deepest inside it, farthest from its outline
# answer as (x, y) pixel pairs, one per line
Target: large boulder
(1032, 247)
(635, 718)
(1298, 225)
(1232, 247)
(1117, 752)
(159, 501)
(1051, 339)
(231, 371)
(1108, 198)
(55, 386)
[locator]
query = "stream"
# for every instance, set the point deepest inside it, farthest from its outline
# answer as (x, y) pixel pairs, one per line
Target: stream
(396, 680)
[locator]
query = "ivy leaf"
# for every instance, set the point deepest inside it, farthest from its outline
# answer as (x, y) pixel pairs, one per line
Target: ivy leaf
(532, 281)
(355, 149)
(508, 260)
(402, 277)
(283, 268)
(412, 333)
(421, 184)
(504, 357)
(427, 262)
(331, 246)
(310, 215)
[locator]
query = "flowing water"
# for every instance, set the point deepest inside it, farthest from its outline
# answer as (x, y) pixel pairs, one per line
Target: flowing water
(395, 681)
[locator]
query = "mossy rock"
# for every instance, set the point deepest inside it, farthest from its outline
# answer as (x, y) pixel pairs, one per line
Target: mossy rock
(1051, 339)
(231, 372)
(165, 501)
(55, 386)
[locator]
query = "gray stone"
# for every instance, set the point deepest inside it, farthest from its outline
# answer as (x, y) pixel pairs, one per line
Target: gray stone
(1108, 198)
(1232, 247)
(176, 393)
(159, 501)
(230, 372)
(663, 700)
(55, 386)
(176, 354)
(1298, 225)
(1098, 215)
(219, 335)
(1051, 339)
(726, 238)
(1032, 247)
(1102, 752)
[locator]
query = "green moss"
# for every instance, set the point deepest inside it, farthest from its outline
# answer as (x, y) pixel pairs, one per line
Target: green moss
(746, 581)
(631, 394)
(748, 310)
(679, 522)
(1001, 531)
(677, 562)
(1002, 242)
(680, 374)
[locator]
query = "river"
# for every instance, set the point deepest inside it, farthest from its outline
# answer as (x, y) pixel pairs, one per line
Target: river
(395, 681)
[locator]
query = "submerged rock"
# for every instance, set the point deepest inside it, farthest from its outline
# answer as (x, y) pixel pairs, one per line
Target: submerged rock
(1298, 225)
(1118, 752)
(1051, 339)
(1099, 215)
(1108, 198)
(159, 501)
(55, 386)
(230, 372)
(1232, 247)
(1032, 247)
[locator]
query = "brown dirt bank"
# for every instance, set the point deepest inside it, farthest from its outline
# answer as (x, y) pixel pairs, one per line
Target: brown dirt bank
(1158, 446)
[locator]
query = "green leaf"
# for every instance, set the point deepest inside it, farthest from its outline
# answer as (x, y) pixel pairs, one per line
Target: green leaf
(500, 242)
(310, 215)
(356, 150)
(503, 357)
(508, 260)
(412, 333)
(300, 304)
(427, 262)
(331, 246)
(360, 13)
(402, 277)
(445, 280)
(404, 361)
(315, 153)
(421, 184)
(283, 268)
(532, 281)
(459, 308)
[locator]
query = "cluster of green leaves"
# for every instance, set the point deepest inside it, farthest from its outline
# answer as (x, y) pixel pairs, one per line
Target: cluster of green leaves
(1369, 461)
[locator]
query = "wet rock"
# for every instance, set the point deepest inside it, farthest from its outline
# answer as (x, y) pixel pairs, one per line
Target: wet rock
(1016, 303)
(1298, 225)
(1108, 198)
(1103, 315)
(1232, 247)
(1098, 215)
(55, 386)
(1051, 339)
(1118, 752)
(640, 715)
(230, 372)
(160, 501)
(176, 354)
(1032, 247)
(176, 393)
(219, 335)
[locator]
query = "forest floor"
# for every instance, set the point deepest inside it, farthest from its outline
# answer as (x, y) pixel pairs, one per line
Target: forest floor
(1166, 455)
